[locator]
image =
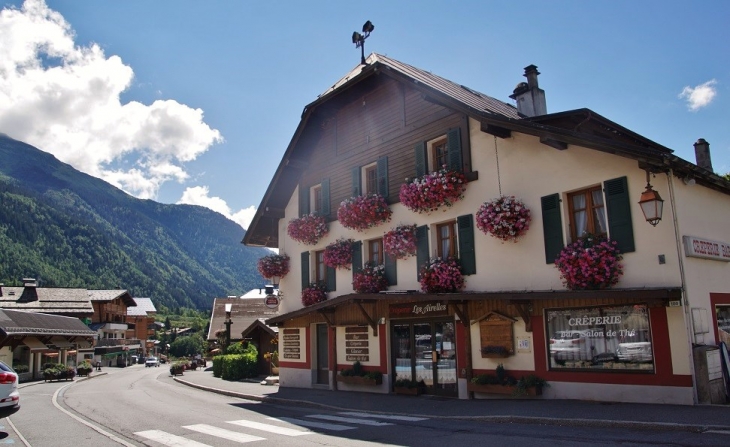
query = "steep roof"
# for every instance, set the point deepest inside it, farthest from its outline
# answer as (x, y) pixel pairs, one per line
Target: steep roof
(14, 322)
(72, 302)
(244, 312)
(143, 307)
(111, 295)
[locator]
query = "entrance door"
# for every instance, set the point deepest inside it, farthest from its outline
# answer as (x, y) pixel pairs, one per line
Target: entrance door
(322, 366)
(433, 357)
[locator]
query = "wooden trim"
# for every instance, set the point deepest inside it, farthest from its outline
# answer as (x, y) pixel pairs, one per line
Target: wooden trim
(523, 308)
(367, 316)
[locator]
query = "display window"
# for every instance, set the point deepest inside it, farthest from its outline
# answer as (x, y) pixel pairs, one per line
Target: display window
(723, 324)
(600, 338)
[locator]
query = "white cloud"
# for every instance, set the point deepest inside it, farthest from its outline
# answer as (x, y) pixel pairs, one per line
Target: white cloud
(699, 96)
(65, 99)
(199, 195)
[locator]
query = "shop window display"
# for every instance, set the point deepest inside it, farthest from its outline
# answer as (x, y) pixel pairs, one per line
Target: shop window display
(600, 338)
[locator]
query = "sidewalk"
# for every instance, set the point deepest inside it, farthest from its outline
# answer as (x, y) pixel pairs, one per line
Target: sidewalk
(508, 410)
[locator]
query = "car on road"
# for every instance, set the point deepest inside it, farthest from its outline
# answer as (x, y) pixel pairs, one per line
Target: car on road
(9, 396)
(151, 361)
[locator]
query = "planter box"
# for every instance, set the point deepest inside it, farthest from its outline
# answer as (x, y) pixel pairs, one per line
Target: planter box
(358, 380)
(495, 355)
(501, 389)
(415, 391)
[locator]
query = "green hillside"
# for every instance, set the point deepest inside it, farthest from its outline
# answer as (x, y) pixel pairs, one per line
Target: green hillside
(69, 229)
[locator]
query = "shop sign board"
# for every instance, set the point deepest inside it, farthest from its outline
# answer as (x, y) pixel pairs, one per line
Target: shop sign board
(698, 247)
(271, 301)
(292, 344)
(357, 344)
(421, 309)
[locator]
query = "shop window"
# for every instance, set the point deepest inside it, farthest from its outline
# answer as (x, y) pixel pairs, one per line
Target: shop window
(722, 314)
(600, 338)
(587, 213)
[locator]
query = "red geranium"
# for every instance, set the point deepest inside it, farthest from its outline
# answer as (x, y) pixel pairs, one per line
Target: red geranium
(441, 276)
(371, 279)
(339, 253)
(430, 192)
(315, 293)
(592, 262)
(308, 229)
(400, 242)
(273, 265)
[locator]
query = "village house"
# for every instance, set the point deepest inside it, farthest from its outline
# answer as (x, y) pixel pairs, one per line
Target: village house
(642, 326)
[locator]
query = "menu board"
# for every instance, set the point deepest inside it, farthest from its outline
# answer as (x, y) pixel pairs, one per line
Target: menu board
(357, 344)
(292, 344)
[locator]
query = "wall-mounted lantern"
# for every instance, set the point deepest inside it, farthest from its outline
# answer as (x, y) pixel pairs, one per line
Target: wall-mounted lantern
(651, 204)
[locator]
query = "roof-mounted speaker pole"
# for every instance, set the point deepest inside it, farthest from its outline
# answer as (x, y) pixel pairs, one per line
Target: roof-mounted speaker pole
(359, 39)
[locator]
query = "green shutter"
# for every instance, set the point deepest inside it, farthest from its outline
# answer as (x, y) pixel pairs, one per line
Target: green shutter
(305, 270)
(356, 258)
(552, 227)
(421, 167)
(453, 144)
(467, 254)
(421, 248)
(356, 181)
(331, 279)
(303, 200)
(383, 176)
(391, 272)
(618, 208)
(325, 197)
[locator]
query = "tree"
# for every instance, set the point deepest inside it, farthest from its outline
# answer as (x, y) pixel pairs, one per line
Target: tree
(727, 176)
(188, 346)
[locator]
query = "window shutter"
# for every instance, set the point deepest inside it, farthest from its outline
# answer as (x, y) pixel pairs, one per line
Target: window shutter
(391, 273)
(331, 279)
(421, 248)
(383, 177)
(552, 227)
(325, 197)
(618, 208)
(356, 181)
(356, 258)
(467, 254)
(303, 200)
(305, 270)
(453, 143)
(421, 167)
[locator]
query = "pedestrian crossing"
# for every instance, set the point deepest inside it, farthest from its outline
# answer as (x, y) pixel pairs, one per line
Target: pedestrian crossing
(282, 426)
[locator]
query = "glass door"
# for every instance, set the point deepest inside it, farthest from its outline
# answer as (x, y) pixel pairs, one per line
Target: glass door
(323, 376)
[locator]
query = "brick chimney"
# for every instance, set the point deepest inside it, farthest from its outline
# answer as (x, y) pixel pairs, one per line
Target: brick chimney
(529, 96)
(702, 154)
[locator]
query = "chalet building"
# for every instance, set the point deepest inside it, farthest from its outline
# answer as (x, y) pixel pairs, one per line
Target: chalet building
(650, 334)
(141, 324)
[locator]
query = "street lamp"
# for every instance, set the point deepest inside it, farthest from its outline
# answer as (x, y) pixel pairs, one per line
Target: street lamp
(228, 323)
(359, 39)
(651, 204)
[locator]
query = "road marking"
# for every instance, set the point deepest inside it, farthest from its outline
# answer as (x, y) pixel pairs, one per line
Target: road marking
(223, 433)
(270, 428)
(169, 439)
(719, 432)
(383, 416)
(348, 420)
(323, 425)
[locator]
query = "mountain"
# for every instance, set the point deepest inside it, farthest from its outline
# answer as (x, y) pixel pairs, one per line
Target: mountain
(68, 229)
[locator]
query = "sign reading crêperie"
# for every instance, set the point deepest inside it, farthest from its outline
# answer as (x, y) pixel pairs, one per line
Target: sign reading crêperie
(292, 344)
(704, 248)
(357, 344)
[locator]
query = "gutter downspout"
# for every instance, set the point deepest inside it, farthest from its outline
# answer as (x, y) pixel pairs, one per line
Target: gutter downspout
(685, 302)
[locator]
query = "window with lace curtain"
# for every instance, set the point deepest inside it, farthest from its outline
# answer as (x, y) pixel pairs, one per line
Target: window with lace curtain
(587, 212)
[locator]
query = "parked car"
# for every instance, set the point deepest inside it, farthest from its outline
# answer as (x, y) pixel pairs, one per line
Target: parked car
(9, 396)
(151, 361)
(571, 345)
(639, 351)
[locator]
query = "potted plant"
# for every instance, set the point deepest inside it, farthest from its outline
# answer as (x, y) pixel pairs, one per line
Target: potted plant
(590, 263)
(358, 376)
(273, 265)
(338, 254)
(313, 294)
(371, 279)
(432, 191)
(409, 387)
(362, 212)
(400, 242)
(177, 368)
(84, 368)
(502, 383)
(505, 218)
(308, 229)
(441, 276)
(273, 357)
(530, 385)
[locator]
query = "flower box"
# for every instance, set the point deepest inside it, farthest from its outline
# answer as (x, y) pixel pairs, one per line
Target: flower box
(362, 212)
(590, 263)
(412, 391)
(441, 276)
(371, 279)
(358, 380)
(400, 242)
(432, 191)
(308, 229)
(495, 355)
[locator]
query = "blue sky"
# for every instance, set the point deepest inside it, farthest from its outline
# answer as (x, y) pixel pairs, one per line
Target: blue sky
(196, 101)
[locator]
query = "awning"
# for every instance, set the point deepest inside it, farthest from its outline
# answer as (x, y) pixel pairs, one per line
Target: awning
(61, 343)
(34, 344)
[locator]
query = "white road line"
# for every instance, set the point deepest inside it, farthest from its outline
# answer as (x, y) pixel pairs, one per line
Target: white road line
(169, 439)
(348, 420)
(383, 416)
(223, 433)
(270, 428)
(323, 425)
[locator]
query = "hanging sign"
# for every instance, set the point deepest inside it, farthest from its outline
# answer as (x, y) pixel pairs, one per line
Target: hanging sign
(705, 248)
(272, 301)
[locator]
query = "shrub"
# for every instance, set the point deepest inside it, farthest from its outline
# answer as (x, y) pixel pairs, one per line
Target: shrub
(409, 383)
(218, 366)
(21, 369)
(358, 371)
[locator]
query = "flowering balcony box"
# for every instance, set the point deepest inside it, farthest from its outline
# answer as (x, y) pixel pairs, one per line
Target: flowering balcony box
(590, 263)
(308, 229)
(400, 242)
(362, 212)
(339, 254)
(432, 191)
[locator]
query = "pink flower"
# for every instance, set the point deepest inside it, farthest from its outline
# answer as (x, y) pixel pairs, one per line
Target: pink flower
(363, 212)
(315, 293)
(273, 265)
(308, 229)
(430, 192)
(441, 276)
(400, 242)
(339, 253)
(371, 279)
(505, 218)
(591, 262)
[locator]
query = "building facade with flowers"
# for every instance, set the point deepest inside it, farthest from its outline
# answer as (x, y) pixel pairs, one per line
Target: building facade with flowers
(482, 233)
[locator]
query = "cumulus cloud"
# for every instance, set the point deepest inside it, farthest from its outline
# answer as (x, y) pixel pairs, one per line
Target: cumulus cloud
(65, 99)
(200, 195)
(699, 96)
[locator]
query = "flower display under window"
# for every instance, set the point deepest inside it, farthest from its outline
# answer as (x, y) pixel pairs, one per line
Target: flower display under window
(505, 218)
(273, 265)
(441, 275)
(592, 262)
(314, 293)
(363, 212)
(371, 279)
(400, 242)
(339, 254)
(432, 191)
(308, 229)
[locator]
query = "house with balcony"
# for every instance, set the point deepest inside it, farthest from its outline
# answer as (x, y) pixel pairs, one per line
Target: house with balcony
(436, 232)
(141, 324)
(109, 320)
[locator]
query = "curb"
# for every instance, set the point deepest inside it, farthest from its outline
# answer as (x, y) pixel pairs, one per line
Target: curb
(504, 419)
